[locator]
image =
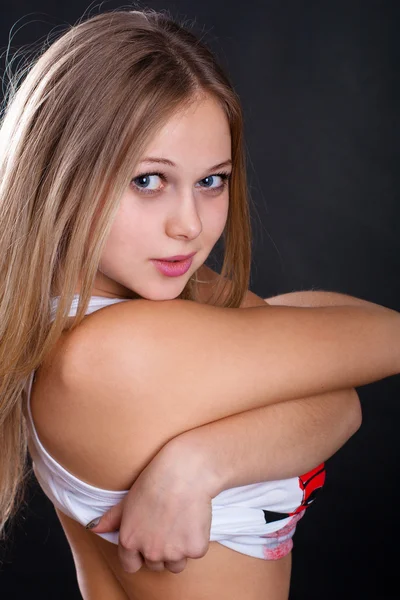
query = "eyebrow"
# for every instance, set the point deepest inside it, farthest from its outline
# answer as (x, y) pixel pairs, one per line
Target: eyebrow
(165, 161)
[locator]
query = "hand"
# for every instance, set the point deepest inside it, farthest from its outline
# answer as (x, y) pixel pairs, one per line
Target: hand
(166, 516)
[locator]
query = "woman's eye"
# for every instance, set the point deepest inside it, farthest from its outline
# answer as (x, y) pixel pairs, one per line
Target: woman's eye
(146, 183)
(210, 179)
(147, 180)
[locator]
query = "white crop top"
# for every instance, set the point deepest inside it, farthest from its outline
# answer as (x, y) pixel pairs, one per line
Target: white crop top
(257, 519)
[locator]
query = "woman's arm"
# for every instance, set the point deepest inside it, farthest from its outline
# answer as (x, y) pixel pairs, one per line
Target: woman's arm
(187, 364)
(275, 441)
(272, 442)
(173, 366)
(311, 298)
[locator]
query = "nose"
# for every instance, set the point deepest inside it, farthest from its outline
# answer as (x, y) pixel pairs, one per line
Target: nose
(185, 220)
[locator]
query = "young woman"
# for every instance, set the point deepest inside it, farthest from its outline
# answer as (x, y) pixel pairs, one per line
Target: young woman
(122, 148)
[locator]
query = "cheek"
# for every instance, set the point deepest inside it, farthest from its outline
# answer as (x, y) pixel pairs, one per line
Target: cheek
(127, 226)
(216, 218)
(119, 244)
(135, 222)
(131, 239)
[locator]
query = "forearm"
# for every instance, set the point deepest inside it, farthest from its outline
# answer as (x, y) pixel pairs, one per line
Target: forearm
(273, 442)
(302, 298)
(276, 441)
(309, 298)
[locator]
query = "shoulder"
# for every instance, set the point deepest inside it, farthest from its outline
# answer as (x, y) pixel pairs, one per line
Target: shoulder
(128, 329)
(116, 404)
(132, 339)
(137, 374)
(153, 352)
(134, 347)
(95, 406)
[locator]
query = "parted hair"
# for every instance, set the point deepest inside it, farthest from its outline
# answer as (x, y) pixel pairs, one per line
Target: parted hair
(73, 127)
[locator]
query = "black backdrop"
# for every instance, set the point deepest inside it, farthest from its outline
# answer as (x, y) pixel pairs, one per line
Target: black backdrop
(319, 82)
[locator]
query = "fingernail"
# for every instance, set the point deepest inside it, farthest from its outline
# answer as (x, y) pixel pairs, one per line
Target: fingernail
(93, 523)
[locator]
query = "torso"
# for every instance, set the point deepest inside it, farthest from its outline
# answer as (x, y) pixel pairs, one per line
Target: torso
(221, 574)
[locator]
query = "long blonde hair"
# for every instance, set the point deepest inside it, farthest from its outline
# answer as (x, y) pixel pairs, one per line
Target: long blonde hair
(71, 134)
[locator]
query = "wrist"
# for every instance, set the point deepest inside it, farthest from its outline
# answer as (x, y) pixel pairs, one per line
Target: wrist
(193, 460)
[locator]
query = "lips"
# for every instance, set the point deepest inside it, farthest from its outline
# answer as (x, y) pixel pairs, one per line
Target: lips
(178, 257)
(173, 269)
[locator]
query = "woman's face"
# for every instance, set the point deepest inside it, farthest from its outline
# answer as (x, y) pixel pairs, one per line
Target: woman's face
(170, 209)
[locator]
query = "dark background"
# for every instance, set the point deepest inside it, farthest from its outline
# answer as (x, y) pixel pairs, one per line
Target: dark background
(319, 83)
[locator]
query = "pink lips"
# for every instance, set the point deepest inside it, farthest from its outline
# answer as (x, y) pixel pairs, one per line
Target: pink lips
(178, 257)
(173, 269)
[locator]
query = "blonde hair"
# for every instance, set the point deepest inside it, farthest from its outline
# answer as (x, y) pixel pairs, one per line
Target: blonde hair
(70, 135)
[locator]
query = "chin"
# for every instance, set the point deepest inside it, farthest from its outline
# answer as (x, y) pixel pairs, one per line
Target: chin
(159, 296)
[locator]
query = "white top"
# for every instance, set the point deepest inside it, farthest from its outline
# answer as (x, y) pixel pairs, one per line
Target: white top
(241, 516)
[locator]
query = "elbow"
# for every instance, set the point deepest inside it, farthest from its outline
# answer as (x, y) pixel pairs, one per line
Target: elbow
(355, 412)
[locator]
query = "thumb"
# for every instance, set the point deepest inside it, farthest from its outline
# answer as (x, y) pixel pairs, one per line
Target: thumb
(109, 521)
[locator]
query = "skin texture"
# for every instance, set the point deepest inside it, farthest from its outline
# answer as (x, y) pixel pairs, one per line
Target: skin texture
(186, 214)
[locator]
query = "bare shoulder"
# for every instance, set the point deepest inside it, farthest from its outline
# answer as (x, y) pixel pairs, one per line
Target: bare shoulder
(168, 354)
(138, 323)
(133, 376)
(133, 329)
(129, 337)
(128, 379)
(176, 364)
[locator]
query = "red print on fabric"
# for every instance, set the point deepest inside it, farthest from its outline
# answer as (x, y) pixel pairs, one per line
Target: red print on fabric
(310, 484)
(282, 538)
(280, 542)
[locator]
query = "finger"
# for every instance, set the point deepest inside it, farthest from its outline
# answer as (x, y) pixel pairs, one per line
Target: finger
(154, 565)
(176, 566)
(110, 521)
(131, 560)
